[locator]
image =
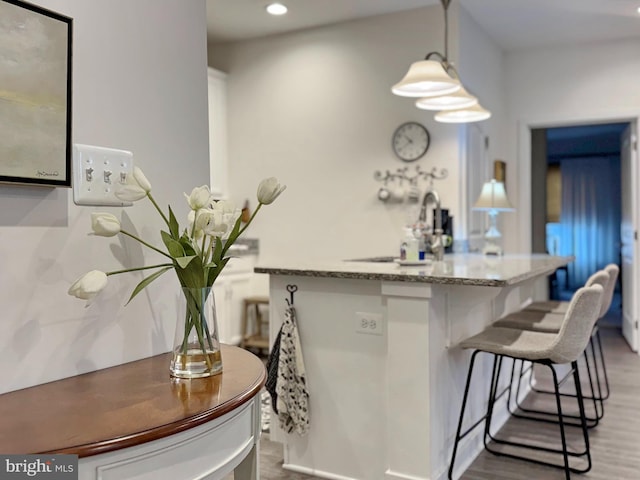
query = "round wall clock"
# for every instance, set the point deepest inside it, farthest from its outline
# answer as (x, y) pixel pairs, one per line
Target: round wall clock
(410, 141)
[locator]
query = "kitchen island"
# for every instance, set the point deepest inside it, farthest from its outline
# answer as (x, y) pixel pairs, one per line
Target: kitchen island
(384, 375)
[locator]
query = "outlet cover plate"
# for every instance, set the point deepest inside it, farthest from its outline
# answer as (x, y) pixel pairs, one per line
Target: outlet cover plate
(97, 172)
(370, 323)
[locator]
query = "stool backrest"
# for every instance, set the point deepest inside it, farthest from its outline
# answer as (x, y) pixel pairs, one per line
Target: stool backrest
(613, 271)
(602, 278)
(578, 323)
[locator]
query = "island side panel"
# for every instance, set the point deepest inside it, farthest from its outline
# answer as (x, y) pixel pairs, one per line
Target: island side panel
(407, 445)
(345, 377)
(456, 313)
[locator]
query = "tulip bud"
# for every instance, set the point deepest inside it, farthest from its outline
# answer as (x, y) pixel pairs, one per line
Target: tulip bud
(136, 188)
(269, 189)
(141, 179)
(200, 197)
(105, 224)
(89, 285)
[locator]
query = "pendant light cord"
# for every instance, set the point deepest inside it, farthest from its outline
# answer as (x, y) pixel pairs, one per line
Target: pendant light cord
(444, 59)
(445, 5)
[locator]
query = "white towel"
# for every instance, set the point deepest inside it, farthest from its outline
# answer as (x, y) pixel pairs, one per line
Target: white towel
(291, 385)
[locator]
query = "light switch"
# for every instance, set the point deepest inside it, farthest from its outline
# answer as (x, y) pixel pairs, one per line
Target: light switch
(97, 171)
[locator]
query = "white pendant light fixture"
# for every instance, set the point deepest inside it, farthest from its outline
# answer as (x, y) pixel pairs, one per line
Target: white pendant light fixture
(426, 78)
(438, 85)
(449, 101)
(476, 113)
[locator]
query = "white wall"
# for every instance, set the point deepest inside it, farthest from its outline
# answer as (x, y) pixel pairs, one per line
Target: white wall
(481, 68)
(139, 83)
(564, 85)
(314, 108)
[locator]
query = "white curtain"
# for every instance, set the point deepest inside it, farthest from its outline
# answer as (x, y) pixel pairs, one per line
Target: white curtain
(590, 216)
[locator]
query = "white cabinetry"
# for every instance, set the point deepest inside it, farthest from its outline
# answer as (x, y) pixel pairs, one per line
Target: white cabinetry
(229, 289)
(218, 132)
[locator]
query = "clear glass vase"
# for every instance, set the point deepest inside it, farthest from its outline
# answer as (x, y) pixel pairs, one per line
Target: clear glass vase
(196, 348)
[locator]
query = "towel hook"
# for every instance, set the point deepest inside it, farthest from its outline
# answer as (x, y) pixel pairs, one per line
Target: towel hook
(291, 289)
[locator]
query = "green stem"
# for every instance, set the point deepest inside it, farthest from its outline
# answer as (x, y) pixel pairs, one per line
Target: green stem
(115, 272)
(195, 319)
(250, 219)
(146, 244)
(166, 220)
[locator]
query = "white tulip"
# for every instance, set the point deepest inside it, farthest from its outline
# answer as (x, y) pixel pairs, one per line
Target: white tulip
(200, 197)
(203, 217)
(142, 181)
(105, 224)
(89, 285)
(216, 227)
(269, 189)
(196, 233)
(136, 188)
(224, 206)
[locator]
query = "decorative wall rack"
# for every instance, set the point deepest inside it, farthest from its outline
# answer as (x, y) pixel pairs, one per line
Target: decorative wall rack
(403, 184)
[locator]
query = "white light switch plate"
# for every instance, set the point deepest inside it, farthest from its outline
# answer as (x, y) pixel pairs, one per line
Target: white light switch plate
(97, 172)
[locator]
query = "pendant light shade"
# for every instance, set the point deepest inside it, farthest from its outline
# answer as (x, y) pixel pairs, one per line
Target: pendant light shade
(476, 113)
(438, 85)
(450, 101)
(426, 78)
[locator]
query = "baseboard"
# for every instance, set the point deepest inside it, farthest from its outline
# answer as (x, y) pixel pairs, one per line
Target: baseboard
(315, 473)
(391, 475)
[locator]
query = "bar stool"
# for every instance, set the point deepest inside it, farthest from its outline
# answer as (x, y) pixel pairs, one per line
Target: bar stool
(550, 321)
(560, 307)
(547, 349)
(252, 331)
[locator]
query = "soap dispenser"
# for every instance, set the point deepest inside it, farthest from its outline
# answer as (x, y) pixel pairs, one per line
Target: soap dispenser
(409, 246)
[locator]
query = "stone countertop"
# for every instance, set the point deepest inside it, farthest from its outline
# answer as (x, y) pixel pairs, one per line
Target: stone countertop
(455, 269)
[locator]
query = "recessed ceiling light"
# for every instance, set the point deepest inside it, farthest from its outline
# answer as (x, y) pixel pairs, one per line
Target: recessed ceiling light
(277, 9)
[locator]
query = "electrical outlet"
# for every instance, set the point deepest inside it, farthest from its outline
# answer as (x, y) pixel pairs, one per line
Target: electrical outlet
(97, 172)
(371, 323)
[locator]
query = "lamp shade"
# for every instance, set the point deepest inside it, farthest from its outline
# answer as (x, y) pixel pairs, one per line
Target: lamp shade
(493, 197)
(449, 101)
(426, 78)
(475, 113)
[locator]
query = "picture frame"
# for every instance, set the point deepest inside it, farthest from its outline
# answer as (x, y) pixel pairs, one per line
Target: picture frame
(35, 95)
(500, 171)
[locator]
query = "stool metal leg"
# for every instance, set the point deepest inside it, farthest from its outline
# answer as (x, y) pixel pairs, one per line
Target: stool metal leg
(565, 452)
(459, 435)
(604, 367)
(598, 405)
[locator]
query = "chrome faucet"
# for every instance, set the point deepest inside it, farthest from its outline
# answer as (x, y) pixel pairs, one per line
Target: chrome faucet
(436, 244)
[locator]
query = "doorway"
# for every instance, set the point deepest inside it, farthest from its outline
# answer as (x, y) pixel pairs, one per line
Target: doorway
(576, 203)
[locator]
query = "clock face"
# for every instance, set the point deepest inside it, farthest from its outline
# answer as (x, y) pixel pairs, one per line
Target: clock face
(410, 141)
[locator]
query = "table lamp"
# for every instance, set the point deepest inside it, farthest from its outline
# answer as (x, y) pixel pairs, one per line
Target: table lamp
(493, 199)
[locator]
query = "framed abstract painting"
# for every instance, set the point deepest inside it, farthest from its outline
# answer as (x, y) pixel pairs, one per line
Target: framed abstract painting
(35, 95)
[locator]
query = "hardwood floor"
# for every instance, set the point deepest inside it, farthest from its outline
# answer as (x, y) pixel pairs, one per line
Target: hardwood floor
(615, 442)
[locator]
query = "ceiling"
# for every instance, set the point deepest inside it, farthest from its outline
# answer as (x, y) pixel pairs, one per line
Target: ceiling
(513, 24)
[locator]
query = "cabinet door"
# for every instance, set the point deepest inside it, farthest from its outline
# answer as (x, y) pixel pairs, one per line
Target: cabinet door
(218, 132)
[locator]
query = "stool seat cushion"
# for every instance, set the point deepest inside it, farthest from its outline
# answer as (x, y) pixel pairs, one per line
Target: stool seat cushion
(551, 306)
(562, 347)
(537, 321)
(523, 344)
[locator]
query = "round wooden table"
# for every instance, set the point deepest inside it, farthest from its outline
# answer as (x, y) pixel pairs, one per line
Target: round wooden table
(135, 421)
